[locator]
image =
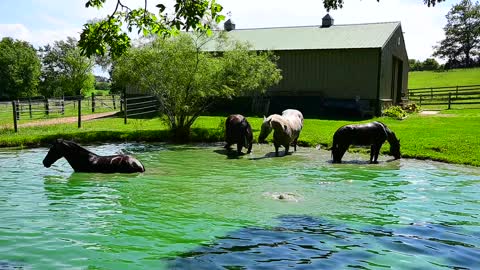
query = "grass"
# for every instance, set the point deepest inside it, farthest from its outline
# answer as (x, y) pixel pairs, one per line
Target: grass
(451, 136)
(454, 77)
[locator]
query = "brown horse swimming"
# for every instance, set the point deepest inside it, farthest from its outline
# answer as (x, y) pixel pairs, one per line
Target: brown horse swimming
(286, 128)
(83, 160)
(373, 134)
(238, 131)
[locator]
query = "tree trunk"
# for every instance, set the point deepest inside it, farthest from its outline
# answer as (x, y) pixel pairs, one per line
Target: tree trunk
(181, 134)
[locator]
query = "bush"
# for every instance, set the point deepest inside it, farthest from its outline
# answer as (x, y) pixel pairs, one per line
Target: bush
(411, 108)
(395, 112)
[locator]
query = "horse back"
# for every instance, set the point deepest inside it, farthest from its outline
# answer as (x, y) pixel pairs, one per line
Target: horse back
(236, 127)
(295, 117)
(118, 164)
(360, 134)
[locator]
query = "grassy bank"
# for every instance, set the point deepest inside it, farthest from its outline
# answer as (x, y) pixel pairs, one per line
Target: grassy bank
(454, 77)
(451, 136)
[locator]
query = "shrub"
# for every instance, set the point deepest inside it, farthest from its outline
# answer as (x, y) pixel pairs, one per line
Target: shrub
(411, 108)
(395, 112)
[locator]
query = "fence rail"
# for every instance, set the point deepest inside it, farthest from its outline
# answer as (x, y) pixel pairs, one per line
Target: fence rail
(21, 111)
(446, 95)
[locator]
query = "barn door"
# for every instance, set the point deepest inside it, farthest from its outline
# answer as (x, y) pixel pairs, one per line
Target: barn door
(397, 80)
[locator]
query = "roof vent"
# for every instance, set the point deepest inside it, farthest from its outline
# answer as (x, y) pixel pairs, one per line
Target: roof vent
(229, 25)
(327, 21)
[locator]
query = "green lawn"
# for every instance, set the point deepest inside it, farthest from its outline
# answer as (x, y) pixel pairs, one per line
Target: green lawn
(451, 136)
(454, 77)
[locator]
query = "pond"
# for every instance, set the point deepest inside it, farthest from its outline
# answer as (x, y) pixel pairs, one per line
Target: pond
(197, 208)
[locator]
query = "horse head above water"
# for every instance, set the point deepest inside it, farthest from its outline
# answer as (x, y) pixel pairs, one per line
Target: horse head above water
(286, 129)
(83, 160)
(373, 134)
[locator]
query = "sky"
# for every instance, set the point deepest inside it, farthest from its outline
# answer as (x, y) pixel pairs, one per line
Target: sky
(42, 22)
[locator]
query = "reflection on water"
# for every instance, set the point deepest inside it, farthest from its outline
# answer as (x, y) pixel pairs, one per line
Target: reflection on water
(312, 243)
(196, 206)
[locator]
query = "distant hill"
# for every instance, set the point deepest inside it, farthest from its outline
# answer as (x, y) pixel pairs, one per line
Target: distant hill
(454, 77)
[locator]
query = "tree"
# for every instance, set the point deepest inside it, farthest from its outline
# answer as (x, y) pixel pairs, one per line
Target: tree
(415, 65)
(187, 80)
(19, 69)
(430, 64)
(462, 34)
(107, 35)
(336, 4)
(102, 36)
(64, 70)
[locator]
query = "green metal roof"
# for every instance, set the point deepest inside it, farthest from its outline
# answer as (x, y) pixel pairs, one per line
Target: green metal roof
(347, 36)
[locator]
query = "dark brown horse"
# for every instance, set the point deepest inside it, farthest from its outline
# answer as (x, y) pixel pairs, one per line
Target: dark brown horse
(83, 160)
(238, 131)
(373, 134)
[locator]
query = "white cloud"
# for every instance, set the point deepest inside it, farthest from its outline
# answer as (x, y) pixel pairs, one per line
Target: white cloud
(422, 25)
(37, 38)
(16, 31)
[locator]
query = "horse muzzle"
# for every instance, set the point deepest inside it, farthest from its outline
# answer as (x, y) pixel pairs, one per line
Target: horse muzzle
(46, 164)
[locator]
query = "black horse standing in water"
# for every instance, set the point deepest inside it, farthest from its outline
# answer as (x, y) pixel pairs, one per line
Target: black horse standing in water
(83, 160)
(373, 134)
(239, 131)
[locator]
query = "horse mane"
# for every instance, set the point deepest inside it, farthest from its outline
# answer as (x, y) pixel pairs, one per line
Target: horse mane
(391, 138)
(74, 146)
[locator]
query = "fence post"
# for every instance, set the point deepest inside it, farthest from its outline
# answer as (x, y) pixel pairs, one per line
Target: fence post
(30, 107)
(113, 101)
(125, 106)
(17, 109)
(14, 106)
(449, 99)
(62, 103)
(79, 111)
(93, 102)
(46, 107)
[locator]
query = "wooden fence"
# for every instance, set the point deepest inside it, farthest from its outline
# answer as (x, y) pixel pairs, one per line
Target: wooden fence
(447, 95)
(31, 109)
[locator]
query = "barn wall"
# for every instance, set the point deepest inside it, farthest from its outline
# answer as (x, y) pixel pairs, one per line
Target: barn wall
(394, 49)
(338, 74)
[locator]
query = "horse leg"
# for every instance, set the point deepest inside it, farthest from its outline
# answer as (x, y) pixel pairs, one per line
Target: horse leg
(239, 148)
(341, 152)
(276, 149)
(374, 151)
(377, 152)
(286, 149)
(249, 148)
(295, 145)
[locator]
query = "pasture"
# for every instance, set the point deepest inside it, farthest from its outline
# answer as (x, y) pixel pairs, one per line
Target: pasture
(450, 136)
(454, 77)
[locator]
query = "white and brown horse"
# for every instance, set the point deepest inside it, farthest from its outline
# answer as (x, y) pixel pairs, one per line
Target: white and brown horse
(286, 129)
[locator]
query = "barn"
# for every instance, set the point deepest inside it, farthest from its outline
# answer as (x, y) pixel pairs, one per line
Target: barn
(331, 69)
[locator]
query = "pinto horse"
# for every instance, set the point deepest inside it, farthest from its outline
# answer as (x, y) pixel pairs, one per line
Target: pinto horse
(373, 134)
(286, 129)
(83, 160)
(239, 131)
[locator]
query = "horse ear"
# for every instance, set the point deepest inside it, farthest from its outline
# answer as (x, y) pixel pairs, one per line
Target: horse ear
(264, 118)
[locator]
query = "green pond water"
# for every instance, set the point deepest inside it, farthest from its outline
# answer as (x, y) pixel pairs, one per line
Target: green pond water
(197, 208)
